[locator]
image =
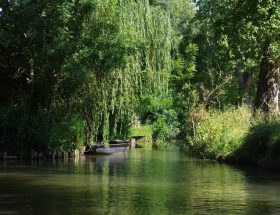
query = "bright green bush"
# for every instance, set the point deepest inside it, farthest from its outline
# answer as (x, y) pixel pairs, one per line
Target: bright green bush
(160, 129)
(159, 112)
(220, 133)
(144, 130)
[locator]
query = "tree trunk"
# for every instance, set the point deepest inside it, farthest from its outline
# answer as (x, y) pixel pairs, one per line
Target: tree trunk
(268, 85)
(244, 87)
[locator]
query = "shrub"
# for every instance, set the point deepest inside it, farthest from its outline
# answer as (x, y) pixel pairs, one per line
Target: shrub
(160, 129)
(160, 113)
(67, 134)
(22, 130)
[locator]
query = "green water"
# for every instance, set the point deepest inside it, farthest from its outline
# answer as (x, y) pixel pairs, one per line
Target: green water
(139, 182)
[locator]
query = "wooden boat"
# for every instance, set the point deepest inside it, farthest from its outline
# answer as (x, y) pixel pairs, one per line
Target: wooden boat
(114, 146)
(114, 142)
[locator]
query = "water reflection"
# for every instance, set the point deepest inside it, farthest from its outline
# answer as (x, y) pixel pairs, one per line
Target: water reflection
(139, 182)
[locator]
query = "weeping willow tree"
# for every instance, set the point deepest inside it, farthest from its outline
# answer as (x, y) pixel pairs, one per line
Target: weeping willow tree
(77, 69)
(123, 53)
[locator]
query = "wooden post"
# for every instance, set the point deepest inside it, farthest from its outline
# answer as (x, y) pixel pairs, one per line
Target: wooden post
(40, 155)
(76, 153)
(132, 143)
(65, 155)
(35, 155)
(4, 155)
(32, 154)
(53, 155)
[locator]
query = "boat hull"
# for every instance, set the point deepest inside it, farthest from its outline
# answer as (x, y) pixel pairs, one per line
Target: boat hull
(113, 148)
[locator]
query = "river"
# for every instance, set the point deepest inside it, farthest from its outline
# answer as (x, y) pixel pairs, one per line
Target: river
(139, 182)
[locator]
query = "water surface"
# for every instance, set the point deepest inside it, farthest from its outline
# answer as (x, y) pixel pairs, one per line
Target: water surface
(139, 182)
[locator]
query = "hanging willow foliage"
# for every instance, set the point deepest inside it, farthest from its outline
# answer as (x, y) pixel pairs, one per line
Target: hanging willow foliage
(125, 52)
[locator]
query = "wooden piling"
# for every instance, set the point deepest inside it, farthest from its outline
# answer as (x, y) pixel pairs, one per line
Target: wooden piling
(132, 144)
(53, 155)
(5, 155)
(76, 153)
(65, 155)
(40, 155)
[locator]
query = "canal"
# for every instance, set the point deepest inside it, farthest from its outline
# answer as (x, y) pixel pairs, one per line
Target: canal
(139, 182)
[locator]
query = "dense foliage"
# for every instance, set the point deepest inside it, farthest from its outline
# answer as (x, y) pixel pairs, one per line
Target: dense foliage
(75, 72)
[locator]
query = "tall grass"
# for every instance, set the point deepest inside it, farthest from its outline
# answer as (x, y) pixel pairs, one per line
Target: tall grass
(261, 145)
(236, 136)
(220, 133)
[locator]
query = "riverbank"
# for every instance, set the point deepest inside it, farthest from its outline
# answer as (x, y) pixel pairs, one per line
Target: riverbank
(261, 146)
(235, 136)
(36, 155)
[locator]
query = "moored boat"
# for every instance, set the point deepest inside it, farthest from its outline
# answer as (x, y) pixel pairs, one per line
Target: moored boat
(114, 142)
(114, 146)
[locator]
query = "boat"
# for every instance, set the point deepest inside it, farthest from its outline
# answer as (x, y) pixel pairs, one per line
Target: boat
(114, 146)
(114, 142)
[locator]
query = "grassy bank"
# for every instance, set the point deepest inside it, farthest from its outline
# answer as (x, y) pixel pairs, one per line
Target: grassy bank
(146, 131)
(261, 146)
(219, 133)
(149, 140)
(235, 136)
